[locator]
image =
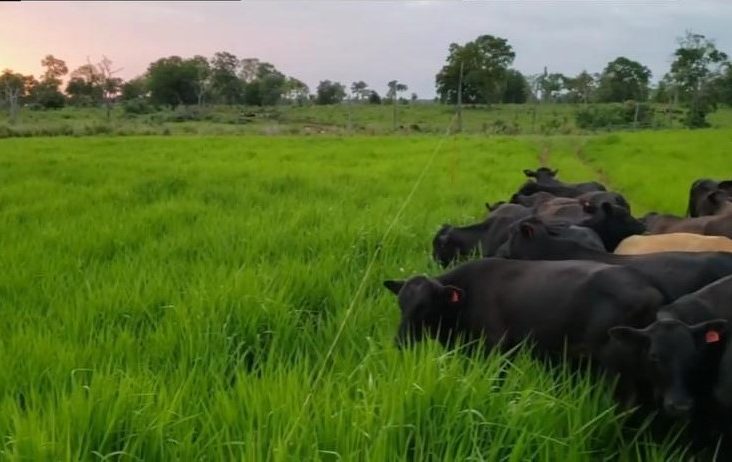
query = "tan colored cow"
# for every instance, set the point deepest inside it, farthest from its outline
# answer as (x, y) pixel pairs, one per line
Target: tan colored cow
(673, 242)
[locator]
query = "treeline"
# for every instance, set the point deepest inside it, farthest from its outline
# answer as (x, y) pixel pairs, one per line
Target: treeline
(478, 72)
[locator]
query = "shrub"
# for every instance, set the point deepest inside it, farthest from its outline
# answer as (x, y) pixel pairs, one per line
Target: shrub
(614, 116)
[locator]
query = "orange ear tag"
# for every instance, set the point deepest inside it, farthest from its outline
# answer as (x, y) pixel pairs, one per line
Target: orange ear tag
(712, 336)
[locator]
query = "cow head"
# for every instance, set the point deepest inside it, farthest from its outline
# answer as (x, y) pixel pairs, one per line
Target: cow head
(446, 246)
(698, 191)
(673, 353)
(541, 174)
(611, 222)
(428, 308)
(712, 203)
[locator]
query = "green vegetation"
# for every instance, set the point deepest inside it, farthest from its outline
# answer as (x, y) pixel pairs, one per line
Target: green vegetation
(175, 298)
(365, 119)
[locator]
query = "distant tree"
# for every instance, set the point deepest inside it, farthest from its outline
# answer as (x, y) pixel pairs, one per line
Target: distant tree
(47, 92)
(55, 69)
(550, 85)
(13, 87)
(360, 90)
(172, 81)
(330, 92)
(695, 71)
(623, 80)
(134, 89)
(109, 84)
(725, 85)
(248, 68)
(581, 87)
(485, 62)
(516, 88)
(394, 88)
(414, 97)
(296, 91)
(225, 83)
(374, 97)
(203, 77)
(83, 86)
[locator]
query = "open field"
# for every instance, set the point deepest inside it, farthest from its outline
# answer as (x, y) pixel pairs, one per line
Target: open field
(175, 298)
(419, 118)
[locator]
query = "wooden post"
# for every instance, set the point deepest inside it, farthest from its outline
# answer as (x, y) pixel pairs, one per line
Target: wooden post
(460, 100)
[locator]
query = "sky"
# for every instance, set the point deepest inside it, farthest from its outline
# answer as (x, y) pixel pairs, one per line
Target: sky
(349, 40)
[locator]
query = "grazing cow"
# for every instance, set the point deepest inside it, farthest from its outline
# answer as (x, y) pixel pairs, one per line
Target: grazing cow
(719, 224)
(611, 222)
(674, 274)
(699, 193)
(687, 356)
(546, 181)
(578, 209)
(531, 200)
(673, 242)
(453, 243)
(543, 175)
(508, 301)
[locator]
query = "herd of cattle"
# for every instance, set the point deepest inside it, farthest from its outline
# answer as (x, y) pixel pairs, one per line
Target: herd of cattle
(568, 266)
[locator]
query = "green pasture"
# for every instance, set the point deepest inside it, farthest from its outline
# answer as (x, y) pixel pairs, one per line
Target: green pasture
(182, 298)
(342, 119)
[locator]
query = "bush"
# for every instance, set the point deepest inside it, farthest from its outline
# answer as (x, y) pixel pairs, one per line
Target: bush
(614, 116)
(137, 106)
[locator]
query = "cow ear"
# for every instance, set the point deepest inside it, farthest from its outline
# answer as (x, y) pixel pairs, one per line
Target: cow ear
(527, 230)
(394, 286)
(717, 197)
(488, 206)
(554, 172)
(529, 173)
(725, 185)
(455, 295)
(629, 335)
(710, 331)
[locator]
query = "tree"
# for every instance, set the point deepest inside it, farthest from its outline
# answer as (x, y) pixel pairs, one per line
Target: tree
(83, 87)
(172, 81)
(697, 65)
(580, 88)
(360, 90)
(623, 80)
(330, 92)
(550, 85)
(516, 88)
(108, 83)
(203, 77)
(414, 97)
(374, 97)
(395, 87)
(225, 83)
(296, 91)
(46, 93)
(485, 62)
(55, 69)
(134, 89)
(13, 87)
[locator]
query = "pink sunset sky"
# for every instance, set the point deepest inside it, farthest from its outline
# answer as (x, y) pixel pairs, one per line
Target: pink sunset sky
(374, 41)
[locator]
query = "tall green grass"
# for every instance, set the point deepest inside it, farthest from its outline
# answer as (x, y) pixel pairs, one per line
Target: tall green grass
(172, 298)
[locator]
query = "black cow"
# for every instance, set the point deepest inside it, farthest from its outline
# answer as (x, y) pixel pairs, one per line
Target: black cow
(578, 209)
(546, 181)
(543, 175)
(507, 301)
(674, 274)
(533, 199)
(699, 197)
(687, 355)
(719, 224)
(453, 243)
